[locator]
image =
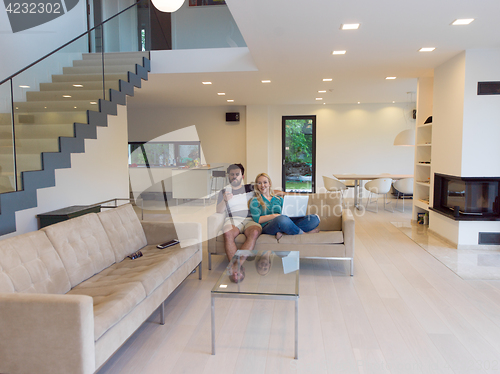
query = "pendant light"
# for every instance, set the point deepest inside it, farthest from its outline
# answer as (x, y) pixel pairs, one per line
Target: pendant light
(406, 137)
(168, 6)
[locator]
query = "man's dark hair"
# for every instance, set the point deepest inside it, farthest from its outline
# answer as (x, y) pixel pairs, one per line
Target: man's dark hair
(233, 278)
(236, 166)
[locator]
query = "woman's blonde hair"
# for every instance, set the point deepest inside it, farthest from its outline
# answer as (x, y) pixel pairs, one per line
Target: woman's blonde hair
(258, 195)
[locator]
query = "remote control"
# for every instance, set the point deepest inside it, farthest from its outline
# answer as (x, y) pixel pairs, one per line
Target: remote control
(168, 244)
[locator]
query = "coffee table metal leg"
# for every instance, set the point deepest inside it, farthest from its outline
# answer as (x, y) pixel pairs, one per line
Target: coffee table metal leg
(297, 328)
(213, 326)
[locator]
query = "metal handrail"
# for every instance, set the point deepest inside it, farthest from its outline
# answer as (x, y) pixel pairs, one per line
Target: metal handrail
(71, 41)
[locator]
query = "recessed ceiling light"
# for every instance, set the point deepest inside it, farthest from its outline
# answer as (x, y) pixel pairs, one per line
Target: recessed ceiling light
(23, 86)
(349, 26)
(206, 82)
(74, 107)
(66, 95)
(327, 79)
(319, 98)
(324, 103)
(266, 81)
(230, 101)
(221, 93)
(338, 52)
(390, 77)
(78, 85)
(322, 91)
(45, 107)
(359, 102)
(394, 102)
(93, 102)
(463, 21)
(427, 49)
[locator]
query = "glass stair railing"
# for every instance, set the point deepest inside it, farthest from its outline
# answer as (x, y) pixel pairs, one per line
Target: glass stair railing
(50, 107)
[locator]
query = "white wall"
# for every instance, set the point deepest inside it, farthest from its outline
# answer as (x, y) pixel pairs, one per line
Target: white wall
(448, 106)
(349, 138)
(99, 174)
(202, 60)
(221, 141)
(257, 137)
(481, 120)
(27, 46)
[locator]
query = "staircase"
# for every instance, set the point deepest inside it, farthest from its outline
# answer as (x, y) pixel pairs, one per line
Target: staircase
(54, 122)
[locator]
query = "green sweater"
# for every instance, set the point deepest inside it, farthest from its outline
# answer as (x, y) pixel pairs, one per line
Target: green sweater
(272, 207)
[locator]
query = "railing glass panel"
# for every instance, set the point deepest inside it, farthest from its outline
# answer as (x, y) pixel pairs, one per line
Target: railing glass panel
(7, 167)
(56, 92)
(50, 96)
(120, 34)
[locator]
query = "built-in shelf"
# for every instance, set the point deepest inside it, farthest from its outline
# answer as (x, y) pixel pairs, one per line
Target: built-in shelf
(423, 185)
(423, 156)
(421, 204)
(426, 184)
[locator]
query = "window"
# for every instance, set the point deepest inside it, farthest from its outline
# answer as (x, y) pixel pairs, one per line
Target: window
(298, 153)
(163, 154)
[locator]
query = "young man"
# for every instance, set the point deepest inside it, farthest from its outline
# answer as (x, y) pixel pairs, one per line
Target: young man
(234, 200)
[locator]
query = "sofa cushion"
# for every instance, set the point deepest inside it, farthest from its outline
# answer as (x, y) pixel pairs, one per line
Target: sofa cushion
(113, 299)
(240, 239)
(151, 269)
(119, 288)
(83, 246)
(29, 263)
(124, 230)
(322, 237)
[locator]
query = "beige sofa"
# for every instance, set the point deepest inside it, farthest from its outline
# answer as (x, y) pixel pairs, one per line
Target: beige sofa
(335, 241)
(70, 296)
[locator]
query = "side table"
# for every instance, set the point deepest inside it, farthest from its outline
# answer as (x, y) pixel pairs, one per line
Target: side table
(59, 215)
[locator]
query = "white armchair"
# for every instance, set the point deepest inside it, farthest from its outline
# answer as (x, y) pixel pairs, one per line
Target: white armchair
(404, 188)
(379, 186)
(334, 185)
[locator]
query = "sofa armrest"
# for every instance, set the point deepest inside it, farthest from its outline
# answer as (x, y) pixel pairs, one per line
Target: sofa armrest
(161, 232)
(348, 231)
(46, 333)
(214, 225)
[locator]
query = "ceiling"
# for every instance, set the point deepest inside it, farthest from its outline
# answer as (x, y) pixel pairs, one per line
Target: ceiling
(291, 44)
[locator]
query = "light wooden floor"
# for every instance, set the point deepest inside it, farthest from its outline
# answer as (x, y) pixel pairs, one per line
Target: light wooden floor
(402, 312)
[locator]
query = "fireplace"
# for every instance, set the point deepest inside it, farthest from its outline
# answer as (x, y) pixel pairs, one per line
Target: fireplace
(467, 198)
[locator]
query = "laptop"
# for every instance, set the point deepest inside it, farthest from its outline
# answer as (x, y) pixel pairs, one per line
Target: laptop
(295, 205)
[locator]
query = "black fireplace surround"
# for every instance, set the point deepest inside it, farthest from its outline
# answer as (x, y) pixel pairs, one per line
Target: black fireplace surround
(467, 198)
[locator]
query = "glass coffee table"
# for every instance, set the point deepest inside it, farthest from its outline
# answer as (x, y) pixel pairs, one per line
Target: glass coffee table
(260, 275)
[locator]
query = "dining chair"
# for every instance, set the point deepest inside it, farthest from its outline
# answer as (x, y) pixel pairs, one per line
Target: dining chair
(379, 186)
(334, 185)
(404, 187)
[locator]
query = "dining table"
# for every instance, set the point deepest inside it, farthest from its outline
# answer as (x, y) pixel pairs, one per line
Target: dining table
(363, 177)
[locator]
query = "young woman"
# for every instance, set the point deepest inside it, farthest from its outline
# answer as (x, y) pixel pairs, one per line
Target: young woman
(266, 207)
